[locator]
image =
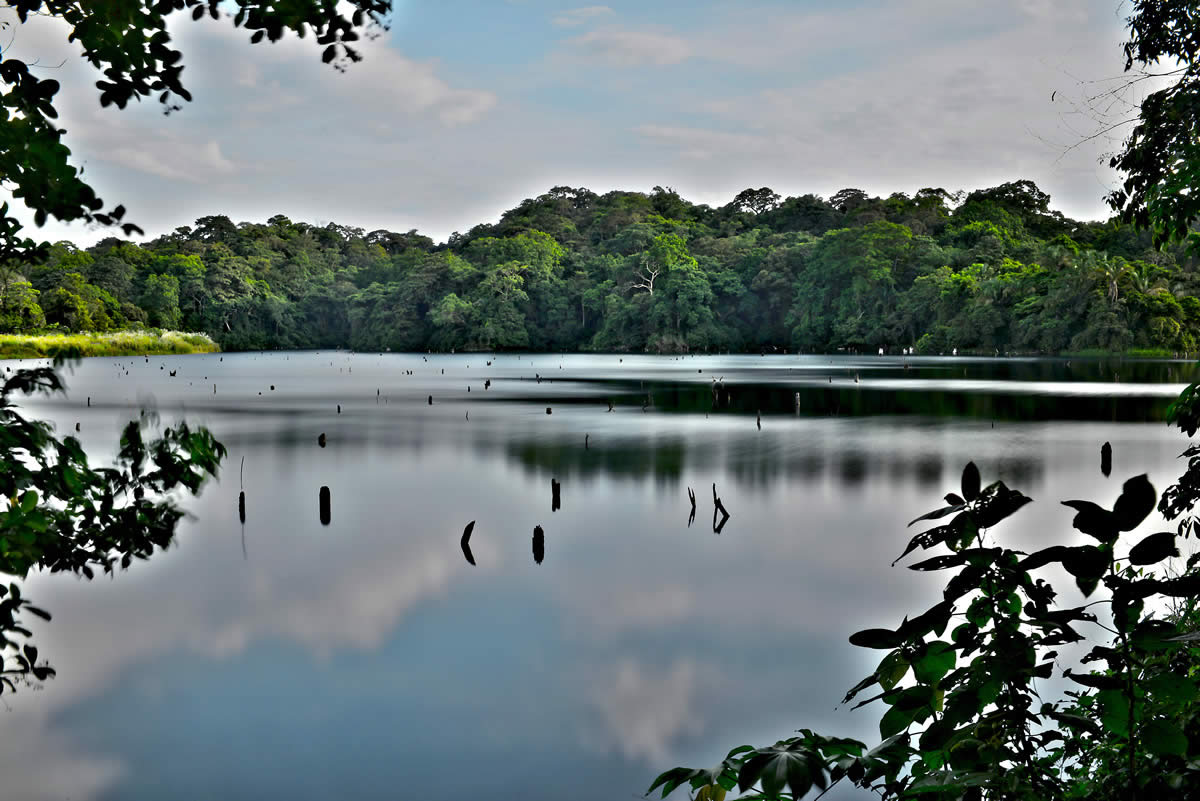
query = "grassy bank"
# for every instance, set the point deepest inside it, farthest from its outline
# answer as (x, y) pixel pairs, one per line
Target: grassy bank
(116, 343)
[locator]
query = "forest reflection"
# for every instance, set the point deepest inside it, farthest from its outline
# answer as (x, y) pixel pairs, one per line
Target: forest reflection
(845, 399)
(663, 460)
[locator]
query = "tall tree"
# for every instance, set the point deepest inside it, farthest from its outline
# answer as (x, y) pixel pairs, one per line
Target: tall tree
(1161, 158)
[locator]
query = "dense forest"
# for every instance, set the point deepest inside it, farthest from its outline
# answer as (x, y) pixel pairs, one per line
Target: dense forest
(992, 270)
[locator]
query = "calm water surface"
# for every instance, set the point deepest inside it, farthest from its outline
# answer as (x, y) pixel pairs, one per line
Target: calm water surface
(367, 659)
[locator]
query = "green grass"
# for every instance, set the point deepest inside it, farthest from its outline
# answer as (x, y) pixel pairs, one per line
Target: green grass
(115, 343)
(1131, 353)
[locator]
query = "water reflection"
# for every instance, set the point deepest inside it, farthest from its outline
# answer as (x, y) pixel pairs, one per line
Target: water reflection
(364, 655)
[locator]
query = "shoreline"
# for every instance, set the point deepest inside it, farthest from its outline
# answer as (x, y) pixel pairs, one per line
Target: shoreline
(167, 343)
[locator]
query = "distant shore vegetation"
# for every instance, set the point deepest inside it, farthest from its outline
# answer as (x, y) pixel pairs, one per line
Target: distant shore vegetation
(109, 343)
(994, 270)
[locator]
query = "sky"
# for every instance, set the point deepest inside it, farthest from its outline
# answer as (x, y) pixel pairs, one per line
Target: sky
(463, 109)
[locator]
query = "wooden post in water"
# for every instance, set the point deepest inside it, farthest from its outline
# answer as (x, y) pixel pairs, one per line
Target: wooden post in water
(324, 504)
(539, 545)
(718, 507)
(1106, 459)
(555, 495)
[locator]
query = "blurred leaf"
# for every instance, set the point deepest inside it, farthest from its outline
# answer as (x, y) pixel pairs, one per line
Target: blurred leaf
(1173, 688)
(1163, 738)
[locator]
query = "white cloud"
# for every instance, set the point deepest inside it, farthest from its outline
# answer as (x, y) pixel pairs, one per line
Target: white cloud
(703, 144)
(799, 101)
(627, 48)
(167, 157)
(72, 776)
(642, 710)
(963, 111)
(580, 16)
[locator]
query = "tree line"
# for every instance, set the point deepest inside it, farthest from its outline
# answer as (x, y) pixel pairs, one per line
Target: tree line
(992, 270)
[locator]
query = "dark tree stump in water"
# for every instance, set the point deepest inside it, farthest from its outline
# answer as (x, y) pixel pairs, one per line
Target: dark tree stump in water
(465, 542)
(718, 507)
(539, 545)
(324, 504)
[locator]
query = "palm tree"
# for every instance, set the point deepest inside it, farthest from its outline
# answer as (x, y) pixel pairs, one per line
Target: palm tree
(1143, 279)
(1110, 270)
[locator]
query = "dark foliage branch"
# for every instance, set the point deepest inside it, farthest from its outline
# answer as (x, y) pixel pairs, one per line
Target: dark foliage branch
(61, 514)
(128, 43)
(963, 716)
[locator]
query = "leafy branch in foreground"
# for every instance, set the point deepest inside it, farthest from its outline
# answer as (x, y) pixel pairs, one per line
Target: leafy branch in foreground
(61, 514)
(129, 44)
(963, 716)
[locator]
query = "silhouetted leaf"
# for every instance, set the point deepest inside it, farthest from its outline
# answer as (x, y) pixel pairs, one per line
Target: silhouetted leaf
(919, 697)
(876, 638)
(934, 619)
(1086, 561)
(1181, 587)
(1154, 548)
(970, 481)
(1055, 553)
(783, 764)
(1136, 502)
(946, 534)
(941, 562)
(43, 614)
(858, 688)
(1096, 681)
(936, 735)
(1094, 520)
(937, 513)
(996, 503)
(671, 779)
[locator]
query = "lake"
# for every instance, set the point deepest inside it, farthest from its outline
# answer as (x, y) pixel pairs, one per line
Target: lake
(367, 658)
